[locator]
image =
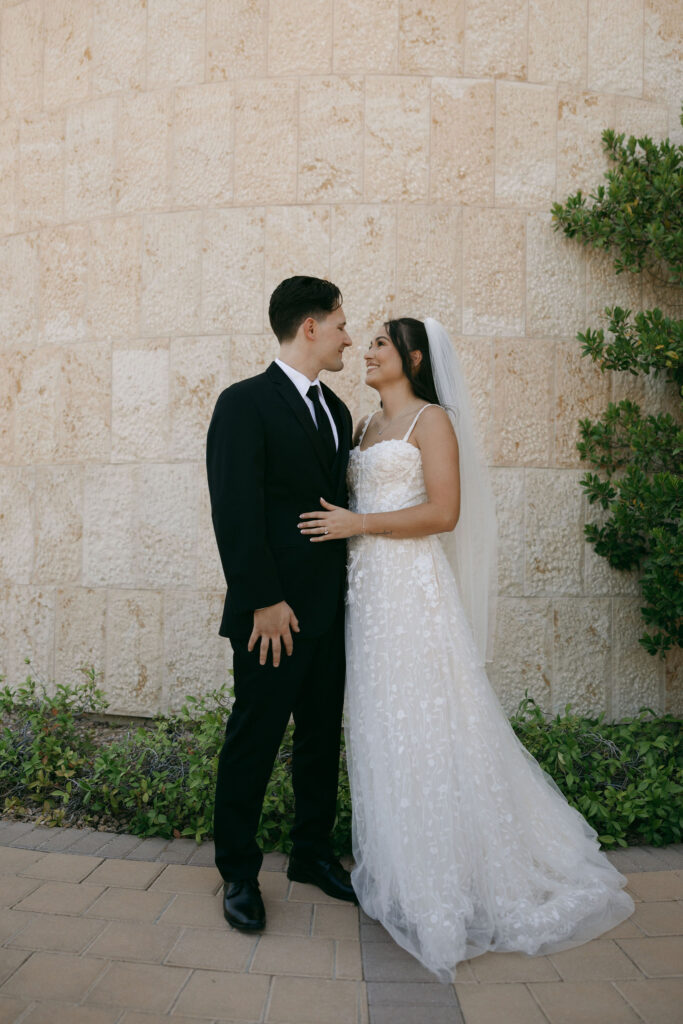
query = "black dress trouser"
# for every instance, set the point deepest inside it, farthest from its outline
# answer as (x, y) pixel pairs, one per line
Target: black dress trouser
(308, 684)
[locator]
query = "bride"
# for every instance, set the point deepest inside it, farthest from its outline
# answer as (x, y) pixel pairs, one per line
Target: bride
(462, 842)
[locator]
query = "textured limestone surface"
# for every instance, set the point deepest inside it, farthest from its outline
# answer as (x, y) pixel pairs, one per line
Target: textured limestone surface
(165, 163)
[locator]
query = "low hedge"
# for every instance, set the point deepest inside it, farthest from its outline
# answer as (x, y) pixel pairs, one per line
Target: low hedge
(61, 766)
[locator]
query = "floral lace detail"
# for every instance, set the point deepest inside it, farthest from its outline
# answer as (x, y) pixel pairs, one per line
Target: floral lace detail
(462, 843)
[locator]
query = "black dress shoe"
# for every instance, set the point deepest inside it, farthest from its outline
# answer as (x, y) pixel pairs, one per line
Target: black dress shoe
(242, 905)
(327, 874)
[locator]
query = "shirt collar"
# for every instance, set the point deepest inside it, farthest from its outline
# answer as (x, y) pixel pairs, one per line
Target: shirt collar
(301, 382)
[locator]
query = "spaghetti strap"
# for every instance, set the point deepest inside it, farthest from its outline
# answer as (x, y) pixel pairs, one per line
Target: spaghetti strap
(365, 427)
(410, 428)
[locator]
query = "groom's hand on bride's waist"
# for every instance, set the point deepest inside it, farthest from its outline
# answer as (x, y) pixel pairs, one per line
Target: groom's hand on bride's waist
(273, 625)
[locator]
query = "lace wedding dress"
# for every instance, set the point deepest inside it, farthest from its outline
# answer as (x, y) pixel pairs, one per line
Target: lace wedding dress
(462, 842)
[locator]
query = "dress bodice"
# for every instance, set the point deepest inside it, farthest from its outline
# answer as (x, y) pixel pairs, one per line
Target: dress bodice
(386, 476)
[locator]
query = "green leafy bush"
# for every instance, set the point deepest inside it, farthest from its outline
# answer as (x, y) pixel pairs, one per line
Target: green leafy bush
(159, 778)
(638, 218)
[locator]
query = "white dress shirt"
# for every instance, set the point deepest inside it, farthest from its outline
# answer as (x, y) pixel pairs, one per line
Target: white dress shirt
(302, 383)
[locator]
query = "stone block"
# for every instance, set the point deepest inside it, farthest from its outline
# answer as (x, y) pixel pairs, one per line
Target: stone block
(171, 273)
(209, 574)
(300, 37)
(9, 154)
(58, 524)
(118, 45)
(508, 490)
(663, 59)
(80, 633)
(138, 986)
(365, 36)
(523, 401)
(476, 360)
(236, 38)
(582, 653)
(207, 949)
(558, 41)
(605, 288)
(17, 486)
(496, 39)
(134, 668)
(142, 181)
(21, 56)
(63, 282)
(194, 654)
(30, 618)
(198, 373)
(232, 271)
(278, 955)
(140, 401)
(251, 354)
(553, 532)
(58, 976)
(462, 141)
(430, 263)
(493, 271)
(639, 117)
(431, 39)
(40, 180)
(175, 42)
(581, 119)
(57, 933)
(266, 132)
(38, 404)
(11, 363)
(84, 428)
(638, 677)
(523, 653)
(18, 290)
(526, 121)
(556, 290)
(397, 112)
(90, 146)
(114, 277)
(615, 47)
(166, 525)
(582, 390)
(66, 55)
(297, 241)
(331, 113)
(109, 507)
(600, 578)
(202, 145)
(139, 941)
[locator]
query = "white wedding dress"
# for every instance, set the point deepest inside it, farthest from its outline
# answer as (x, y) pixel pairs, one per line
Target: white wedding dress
(462, 842)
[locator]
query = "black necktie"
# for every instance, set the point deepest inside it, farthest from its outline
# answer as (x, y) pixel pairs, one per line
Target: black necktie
(323, 423)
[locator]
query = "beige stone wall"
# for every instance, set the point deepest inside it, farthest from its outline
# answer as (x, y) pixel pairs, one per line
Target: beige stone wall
(164, 163)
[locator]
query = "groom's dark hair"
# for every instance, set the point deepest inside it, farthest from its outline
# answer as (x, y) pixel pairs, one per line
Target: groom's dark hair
(297, 298)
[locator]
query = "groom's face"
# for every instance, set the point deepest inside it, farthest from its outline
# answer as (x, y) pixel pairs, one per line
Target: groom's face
(331, 340)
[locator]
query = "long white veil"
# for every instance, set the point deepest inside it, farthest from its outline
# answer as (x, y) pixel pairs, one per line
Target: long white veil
(472, 547)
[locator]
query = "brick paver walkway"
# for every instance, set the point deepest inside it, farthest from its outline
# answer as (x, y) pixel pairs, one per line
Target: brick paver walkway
(131, 932)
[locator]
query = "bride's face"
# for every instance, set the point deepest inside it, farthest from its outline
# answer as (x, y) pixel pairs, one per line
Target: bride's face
(382, 362)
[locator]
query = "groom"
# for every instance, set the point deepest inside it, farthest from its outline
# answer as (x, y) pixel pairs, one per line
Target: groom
(277, 443)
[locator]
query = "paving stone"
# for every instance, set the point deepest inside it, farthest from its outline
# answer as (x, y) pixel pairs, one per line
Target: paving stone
(657, 957)
(13, 860)
(149, 849)
(305, 957)
(590, 1002)
(127, 940)
(407, 1015)
(372, 932)
(335, 922)
(11, 922)
(274, 861)
(284, 918)
(659, 918)
(204, 856)
(56, 933)
(31, 839)
(138, 986)
(10, 960)
(514, 967)
(61, 867)
(657, 1002)
(12, 888)
(125, 874)
(178, 852)
(598, 960)
(59, 976)
(347, 960)
(388, 962)
(228, 950)
(305, 893)
(119, 846)
(130, 905)
(657, 885)
(58, 839)
(10, 1009)
(313, 1001)
(647, 859)
(274, 885)
(626, 930)
(194, 909)
(59, 897)
(184, 878)
(56, 1013)
(511, 1004)
(131, 1017)
(414, 993)
(11, 830)
(224, 995)
(90, 842)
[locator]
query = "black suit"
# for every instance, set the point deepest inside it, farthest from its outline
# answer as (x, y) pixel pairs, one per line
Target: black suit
(266, 465)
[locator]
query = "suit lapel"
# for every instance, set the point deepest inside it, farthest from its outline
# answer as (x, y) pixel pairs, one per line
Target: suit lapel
(300, 410)
(343, 432)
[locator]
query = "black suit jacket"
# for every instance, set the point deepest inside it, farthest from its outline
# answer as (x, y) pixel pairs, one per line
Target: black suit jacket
(266, 465)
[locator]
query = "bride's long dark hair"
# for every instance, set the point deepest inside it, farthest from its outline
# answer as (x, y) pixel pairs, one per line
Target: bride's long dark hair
(409, 335)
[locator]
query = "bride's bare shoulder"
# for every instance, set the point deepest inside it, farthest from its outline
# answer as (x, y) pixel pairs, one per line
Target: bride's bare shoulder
(434, 426)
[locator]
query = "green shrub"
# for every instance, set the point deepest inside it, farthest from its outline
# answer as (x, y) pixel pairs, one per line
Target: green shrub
(158, 779)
